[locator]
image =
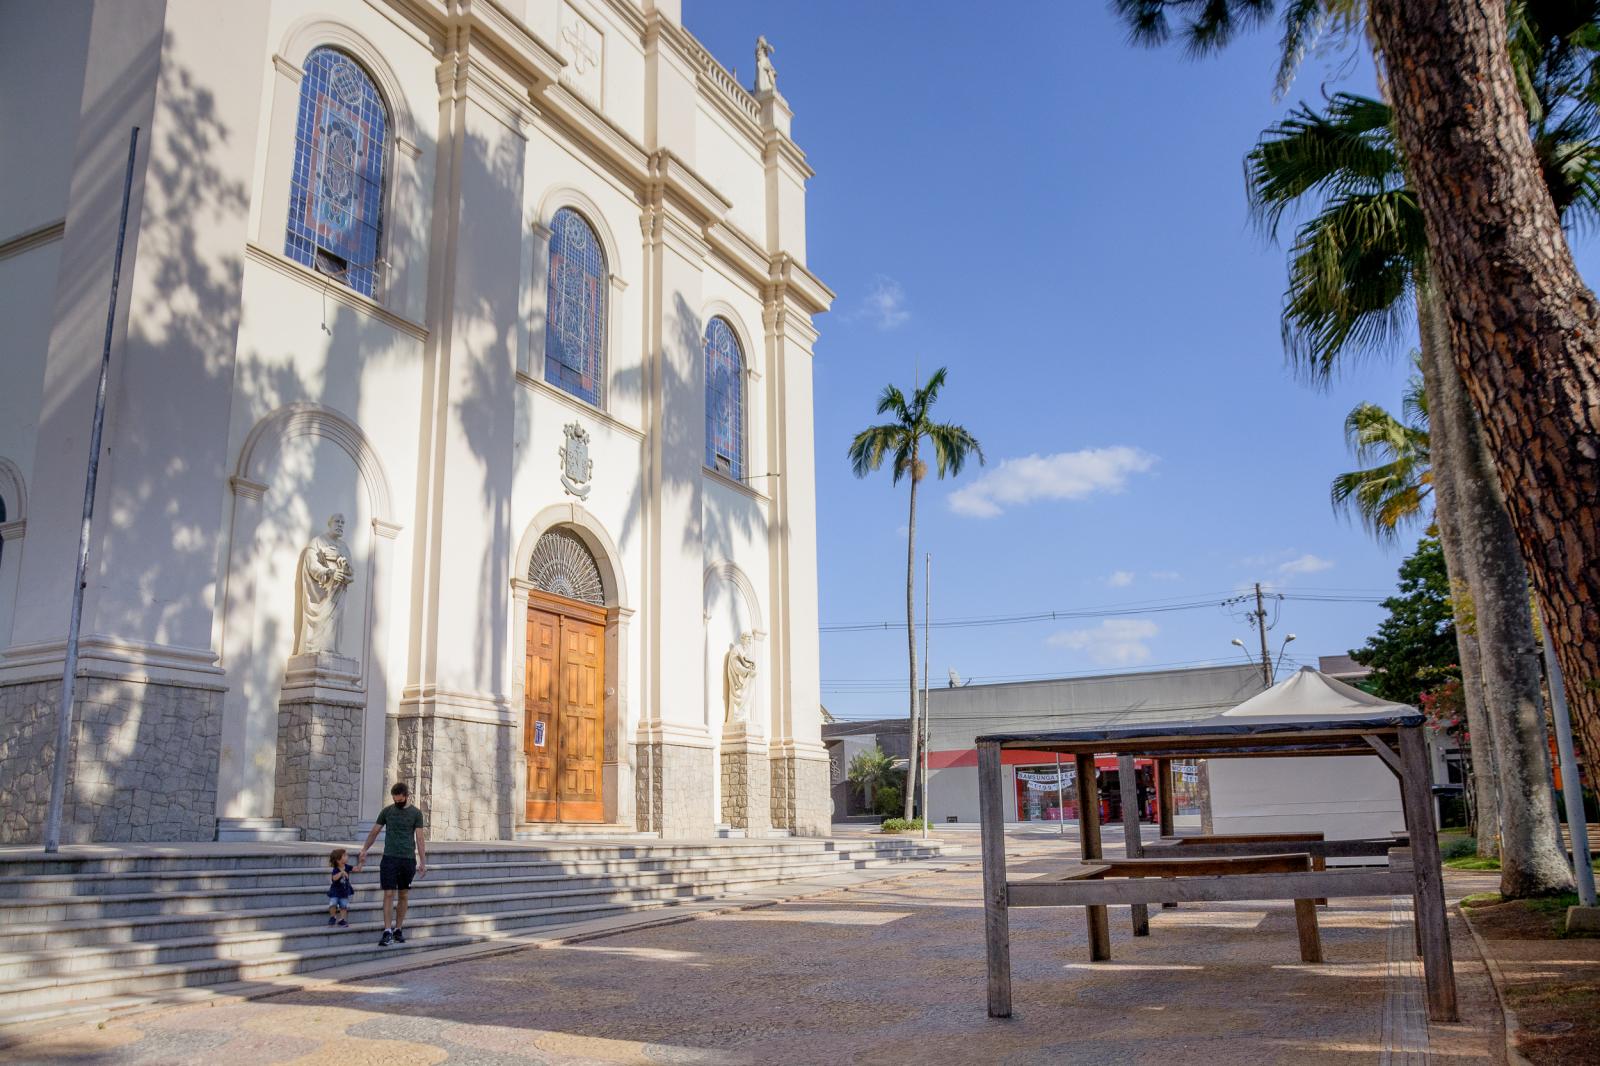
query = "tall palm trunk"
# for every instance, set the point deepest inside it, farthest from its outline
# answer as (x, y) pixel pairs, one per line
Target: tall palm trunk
(1532, 858)
(1525, 325)
(1442, 448)
(911, 628)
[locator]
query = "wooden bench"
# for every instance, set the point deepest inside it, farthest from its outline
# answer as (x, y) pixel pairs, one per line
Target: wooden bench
(1305, 911)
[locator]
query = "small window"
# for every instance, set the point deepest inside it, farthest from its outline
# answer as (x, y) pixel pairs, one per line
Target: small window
(724, 400)
(336, 187)
(575, 309)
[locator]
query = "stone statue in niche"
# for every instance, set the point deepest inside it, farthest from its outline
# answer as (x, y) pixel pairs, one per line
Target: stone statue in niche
(741, 677)
(324, 578)
(766, 73)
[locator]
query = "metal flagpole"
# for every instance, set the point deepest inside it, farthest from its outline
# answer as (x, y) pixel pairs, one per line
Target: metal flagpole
(1571, 785)
(1061, 803)
(69, 669)
(927, 588)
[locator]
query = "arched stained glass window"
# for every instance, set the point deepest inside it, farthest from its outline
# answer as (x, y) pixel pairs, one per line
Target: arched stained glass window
(575, 336)
(336, 187)
(724, 399)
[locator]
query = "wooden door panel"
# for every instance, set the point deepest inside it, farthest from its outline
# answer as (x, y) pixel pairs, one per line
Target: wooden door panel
(540, 715)
(581, 718)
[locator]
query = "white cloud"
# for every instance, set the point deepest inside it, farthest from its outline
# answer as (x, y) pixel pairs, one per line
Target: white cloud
(1114, 642)
(1120, 579)
(1062, 476)
(885, 304)
(1305, 564)
(1165, 575)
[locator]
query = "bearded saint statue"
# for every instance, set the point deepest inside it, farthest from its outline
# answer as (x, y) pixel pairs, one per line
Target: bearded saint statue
(324, 577)
(741, 670)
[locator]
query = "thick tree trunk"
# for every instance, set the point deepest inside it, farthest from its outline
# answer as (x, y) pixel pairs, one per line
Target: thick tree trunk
(911, 634)
(1442, 449)
(1525, 328)
(1532, 861)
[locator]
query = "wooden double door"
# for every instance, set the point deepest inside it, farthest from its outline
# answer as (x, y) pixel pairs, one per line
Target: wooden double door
(564, 732)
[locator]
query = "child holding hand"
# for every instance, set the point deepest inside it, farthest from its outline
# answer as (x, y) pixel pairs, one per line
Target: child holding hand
(339, 888)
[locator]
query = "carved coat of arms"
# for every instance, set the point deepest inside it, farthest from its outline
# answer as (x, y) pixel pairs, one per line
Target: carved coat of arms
(576, 467)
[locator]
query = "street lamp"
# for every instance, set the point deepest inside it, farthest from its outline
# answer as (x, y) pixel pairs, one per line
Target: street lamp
(1281, 650)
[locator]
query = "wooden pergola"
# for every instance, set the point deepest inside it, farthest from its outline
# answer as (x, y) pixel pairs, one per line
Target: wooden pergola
(1391, 733)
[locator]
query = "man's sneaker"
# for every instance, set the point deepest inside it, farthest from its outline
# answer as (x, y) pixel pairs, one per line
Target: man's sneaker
(343, 924)
(332, 920)
(388, 938)
(399, 936)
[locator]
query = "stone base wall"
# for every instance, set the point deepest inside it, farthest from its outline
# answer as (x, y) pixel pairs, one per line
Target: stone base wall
(461, 773)
(143, 761)
(746, 786)
(318, 783)
(800, 795)
(673, 790)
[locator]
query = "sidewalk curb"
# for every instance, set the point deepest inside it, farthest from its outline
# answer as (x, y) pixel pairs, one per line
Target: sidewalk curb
(1497, 981)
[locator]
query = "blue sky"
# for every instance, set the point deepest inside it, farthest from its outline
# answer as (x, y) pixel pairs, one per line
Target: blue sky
(1016, 193)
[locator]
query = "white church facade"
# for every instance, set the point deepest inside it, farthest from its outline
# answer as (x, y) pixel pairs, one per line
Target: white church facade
(459, 422)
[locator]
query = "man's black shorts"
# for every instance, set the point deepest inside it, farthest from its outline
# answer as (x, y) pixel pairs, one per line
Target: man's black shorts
(396, 873)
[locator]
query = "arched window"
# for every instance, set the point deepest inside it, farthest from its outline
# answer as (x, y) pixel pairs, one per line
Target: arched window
(563, 565)
(724, 399)
(336, 187)
(575, 333)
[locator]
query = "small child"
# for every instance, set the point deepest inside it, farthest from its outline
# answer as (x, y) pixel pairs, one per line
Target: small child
(340, 889)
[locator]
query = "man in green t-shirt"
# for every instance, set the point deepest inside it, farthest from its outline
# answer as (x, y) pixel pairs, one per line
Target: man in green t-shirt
(405, 855)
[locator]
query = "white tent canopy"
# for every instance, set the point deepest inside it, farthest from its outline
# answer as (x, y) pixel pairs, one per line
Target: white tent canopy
(1309, 694)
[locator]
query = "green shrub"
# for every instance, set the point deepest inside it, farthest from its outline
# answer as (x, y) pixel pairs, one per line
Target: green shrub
(1457, 847)
(888, 800)
(900, 825)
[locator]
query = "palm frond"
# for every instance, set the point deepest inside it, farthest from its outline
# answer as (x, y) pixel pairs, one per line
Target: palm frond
(953, 445)
(1346, 150)
(868, 448)
(893, 402)
(1208, 25)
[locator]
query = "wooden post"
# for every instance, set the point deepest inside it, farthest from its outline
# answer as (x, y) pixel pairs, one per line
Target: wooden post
(1305, 921)
(1432, 925)
(1164, 799)
(996, 928)
(1166, 803)
(1089, 843)
(1132, 844)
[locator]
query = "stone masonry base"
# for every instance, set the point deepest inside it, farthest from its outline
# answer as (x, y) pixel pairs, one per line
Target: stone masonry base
(143, 761)
(673, 787)
(800, 796)
(319, 758)
(460, 773)
(746, 784)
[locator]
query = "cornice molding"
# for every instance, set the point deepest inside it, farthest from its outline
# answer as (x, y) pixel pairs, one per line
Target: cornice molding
(335, 291)
(789, 277)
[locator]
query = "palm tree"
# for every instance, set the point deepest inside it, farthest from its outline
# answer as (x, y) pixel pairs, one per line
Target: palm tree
(869, 770)
(1357, 268)
(1461, 75)
(1396, 484)
(901, 440)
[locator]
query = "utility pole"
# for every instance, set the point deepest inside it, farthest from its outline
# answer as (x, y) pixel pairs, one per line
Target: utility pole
(927, 592)
(1261, 628)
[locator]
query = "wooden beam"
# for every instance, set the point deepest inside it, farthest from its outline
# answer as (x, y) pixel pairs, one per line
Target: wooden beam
(1324, 849)
(1119, 892)
(1416, 791)
(1305, 924)
(1385, 752)
(1164, 798)
(1089, 845)
(1207, 866)
(996, 928)
(1132, 842)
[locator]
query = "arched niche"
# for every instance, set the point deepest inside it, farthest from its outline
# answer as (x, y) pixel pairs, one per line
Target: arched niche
(732, 608)
(299, 464)
(13, 524)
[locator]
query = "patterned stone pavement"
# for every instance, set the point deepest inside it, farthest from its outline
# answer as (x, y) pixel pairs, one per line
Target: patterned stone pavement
(885, 973)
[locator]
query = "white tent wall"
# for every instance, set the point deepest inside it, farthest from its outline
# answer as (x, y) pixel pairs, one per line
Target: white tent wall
(1342, 798)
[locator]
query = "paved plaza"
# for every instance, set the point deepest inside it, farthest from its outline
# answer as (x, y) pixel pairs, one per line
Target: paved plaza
(886, 972)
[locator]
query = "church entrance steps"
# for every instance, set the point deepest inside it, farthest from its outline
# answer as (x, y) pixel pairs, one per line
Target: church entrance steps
(96, 925)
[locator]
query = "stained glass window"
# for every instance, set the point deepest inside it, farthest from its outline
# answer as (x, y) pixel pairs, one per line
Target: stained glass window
(336, 187)
(724, 399)
(575, 338)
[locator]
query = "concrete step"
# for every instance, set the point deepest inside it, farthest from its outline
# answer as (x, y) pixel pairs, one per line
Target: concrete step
(74, 933)
(112, 861)
(145, 917)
